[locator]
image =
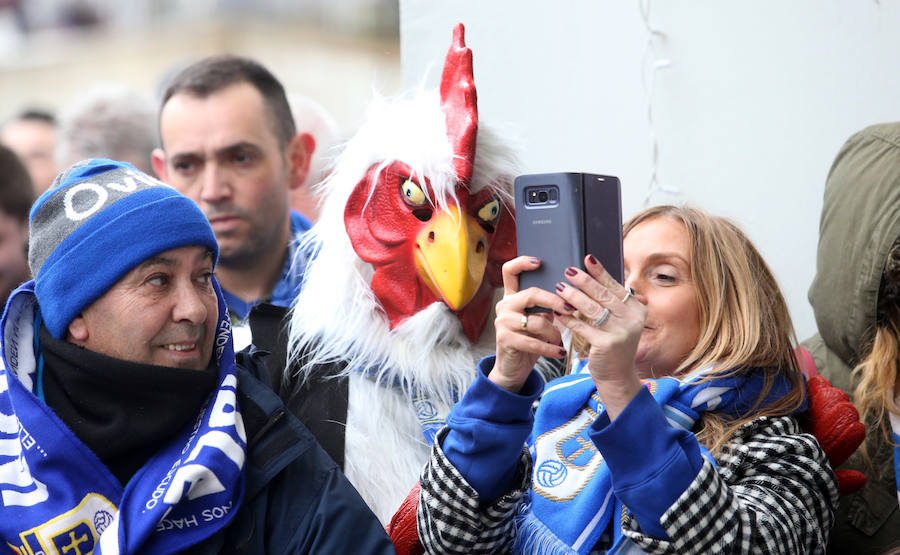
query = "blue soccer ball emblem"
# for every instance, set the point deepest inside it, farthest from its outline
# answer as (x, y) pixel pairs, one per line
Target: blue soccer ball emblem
(550, 474)
(425, 410)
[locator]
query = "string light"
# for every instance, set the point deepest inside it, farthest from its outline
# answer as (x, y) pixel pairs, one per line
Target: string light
(652, 63)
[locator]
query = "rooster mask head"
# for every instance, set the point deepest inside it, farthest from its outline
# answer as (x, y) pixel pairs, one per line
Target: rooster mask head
(442, 237)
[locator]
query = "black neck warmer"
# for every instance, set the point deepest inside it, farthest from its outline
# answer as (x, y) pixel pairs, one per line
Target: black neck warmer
(123, 411)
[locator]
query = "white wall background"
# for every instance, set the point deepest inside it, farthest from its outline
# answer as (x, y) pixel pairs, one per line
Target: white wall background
(756, 102)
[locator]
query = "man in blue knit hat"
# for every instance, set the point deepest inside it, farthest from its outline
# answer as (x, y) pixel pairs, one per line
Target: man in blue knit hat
(125, 424)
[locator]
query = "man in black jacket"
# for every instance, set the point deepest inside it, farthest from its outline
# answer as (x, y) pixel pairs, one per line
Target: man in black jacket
(125, 424)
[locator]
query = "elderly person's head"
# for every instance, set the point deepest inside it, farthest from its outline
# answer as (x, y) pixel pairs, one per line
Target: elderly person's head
(108, 121)
(123, 266)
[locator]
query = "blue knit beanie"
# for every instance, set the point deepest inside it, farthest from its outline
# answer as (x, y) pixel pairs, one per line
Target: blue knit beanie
(100, 219)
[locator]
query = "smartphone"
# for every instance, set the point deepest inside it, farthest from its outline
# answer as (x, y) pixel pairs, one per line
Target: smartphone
(563, 217)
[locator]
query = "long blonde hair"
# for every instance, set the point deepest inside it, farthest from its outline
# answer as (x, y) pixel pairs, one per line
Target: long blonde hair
(877, 373)
(744, 319)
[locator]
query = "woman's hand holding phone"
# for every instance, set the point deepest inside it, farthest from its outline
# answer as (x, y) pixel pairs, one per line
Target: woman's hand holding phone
(523, 337)
(613, 330)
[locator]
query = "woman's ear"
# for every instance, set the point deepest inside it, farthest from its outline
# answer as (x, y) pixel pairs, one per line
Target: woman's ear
(77, 332)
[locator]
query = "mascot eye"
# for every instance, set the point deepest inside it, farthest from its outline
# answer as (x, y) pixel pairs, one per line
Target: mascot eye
(490, 211)
(488, 214)
(412, 193)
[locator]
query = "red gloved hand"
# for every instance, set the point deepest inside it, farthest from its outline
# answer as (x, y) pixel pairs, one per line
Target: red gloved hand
(834, 421)
(402, 529)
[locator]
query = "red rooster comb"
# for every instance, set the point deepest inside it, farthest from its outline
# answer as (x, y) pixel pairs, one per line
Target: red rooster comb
(459, 103)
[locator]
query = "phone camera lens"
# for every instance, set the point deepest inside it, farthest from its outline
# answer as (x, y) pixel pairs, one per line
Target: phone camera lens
(542, 196)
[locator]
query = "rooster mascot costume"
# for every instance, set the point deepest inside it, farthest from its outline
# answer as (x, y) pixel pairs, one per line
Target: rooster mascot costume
(392, 318)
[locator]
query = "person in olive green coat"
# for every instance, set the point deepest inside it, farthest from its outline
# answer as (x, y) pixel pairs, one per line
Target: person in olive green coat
(856, 299)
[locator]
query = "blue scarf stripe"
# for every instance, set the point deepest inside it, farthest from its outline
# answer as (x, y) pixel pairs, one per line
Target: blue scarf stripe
(710, 397)
(576, 381)
(17, 486)
(678, 418)
(592, 525)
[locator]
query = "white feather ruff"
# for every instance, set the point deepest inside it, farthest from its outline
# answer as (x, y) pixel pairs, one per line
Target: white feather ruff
(386, 448)
(337, 318)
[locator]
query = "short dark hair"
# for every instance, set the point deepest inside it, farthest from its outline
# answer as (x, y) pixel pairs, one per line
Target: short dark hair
(35, 114)
(16, 190)
(211, 75)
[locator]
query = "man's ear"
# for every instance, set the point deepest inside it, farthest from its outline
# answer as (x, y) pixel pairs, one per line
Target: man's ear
(300, 152)
(158, 158)
(77, 331)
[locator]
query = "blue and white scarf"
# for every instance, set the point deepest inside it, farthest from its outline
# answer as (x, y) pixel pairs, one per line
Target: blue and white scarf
(57, 497)
(572, 503)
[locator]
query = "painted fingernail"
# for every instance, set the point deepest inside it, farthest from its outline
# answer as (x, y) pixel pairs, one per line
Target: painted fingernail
(570, 271)
(562, 353)
(591, 259)
(560, 287)
(535, 260)
(569, 307)
(557, 313)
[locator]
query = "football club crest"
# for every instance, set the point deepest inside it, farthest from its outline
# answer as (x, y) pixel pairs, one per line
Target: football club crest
(74, 532)
(569, 456)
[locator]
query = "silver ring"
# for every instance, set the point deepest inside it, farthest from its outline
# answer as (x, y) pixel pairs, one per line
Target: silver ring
(628, 295)
(602, 319)
(524, 324)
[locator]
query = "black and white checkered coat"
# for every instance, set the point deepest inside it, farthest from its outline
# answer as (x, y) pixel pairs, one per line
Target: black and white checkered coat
(772, 491)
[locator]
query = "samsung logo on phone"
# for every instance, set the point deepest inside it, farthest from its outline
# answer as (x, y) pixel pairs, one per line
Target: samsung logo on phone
(539, 222)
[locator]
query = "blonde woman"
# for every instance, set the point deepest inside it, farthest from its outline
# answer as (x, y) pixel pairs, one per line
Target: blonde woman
(675, 431)
(856, 299)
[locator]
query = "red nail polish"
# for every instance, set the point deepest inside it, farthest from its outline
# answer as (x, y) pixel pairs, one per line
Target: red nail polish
(570, 271)
(569, 307)
(591, 259)
(560, 287)
(562, 353)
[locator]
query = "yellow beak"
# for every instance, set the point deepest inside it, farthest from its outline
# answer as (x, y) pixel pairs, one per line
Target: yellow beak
(451, 254)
